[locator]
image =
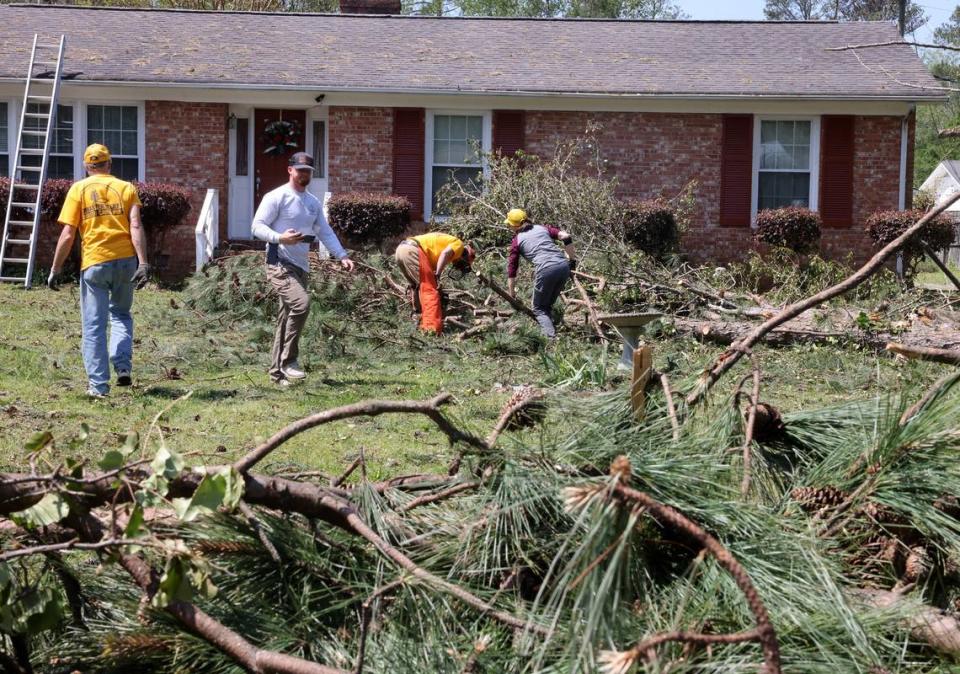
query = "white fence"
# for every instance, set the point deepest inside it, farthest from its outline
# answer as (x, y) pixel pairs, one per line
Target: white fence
(208, 228)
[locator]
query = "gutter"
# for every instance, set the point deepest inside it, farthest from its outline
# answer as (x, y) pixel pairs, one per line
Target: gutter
(488, 92)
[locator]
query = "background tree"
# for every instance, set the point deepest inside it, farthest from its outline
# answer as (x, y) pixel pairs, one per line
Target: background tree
(930, 148)
(795, 10)
(594, 9)
(877, 10)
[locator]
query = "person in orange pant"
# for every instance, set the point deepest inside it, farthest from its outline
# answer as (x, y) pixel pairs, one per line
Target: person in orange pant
(422, 259)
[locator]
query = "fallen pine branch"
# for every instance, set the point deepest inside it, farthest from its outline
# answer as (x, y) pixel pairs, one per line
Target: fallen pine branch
(512, 301)
(947, 356)
(748, 436)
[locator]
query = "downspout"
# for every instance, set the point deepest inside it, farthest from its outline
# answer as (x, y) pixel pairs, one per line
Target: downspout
(902, 197)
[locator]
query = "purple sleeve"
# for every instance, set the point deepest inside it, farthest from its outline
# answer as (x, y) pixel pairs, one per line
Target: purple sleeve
(554, 232)
(513, 260)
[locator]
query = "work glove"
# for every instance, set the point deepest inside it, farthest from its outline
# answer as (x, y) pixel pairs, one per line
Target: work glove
(573, 264)
(53, 281)
(141, 276)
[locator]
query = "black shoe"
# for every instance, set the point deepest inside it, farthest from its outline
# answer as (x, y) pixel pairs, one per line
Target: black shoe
(123, 378)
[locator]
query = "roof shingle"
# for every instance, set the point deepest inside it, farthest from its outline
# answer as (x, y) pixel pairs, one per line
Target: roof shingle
(426, 54)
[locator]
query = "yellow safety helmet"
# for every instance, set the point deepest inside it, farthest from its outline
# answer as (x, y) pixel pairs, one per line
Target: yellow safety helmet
(516, 217)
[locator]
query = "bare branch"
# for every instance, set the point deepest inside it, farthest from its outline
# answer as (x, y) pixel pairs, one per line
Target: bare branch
(439, 496)
(869, 45)
(748, 436)
(947, 356)
(67, 546)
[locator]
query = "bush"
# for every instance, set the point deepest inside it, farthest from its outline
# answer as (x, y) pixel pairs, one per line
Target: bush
(924, 200)
(651, 226)
(790, 227)
(366, 219)
(885, 226)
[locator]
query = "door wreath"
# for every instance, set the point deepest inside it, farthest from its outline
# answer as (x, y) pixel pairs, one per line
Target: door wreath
(281, 137)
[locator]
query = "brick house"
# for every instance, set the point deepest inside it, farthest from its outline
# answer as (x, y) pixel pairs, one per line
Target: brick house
(761, 114)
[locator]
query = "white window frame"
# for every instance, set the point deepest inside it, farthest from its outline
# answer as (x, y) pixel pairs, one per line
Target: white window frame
(814, 120)
(12, 121)
(486, 145)
(80, 146)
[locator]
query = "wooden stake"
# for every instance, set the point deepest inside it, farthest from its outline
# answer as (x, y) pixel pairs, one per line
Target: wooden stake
(642, 370)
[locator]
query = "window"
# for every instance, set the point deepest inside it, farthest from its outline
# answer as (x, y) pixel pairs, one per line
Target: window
(319, 144)
(243, 146)
(4, 139)
(786, 155)
(60, 161)
(116, 127)
(454, 153)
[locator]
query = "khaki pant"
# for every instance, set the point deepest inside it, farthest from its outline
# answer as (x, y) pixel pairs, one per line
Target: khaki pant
(291, 286)
(408, 257)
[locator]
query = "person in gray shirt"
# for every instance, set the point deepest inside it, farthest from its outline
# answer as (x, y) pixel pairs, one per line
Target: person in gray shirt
(289, 218)
(551, 266)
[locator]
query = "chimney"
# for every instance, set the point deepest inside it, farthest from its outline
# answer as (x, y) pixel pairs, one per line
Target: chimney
(369, 6)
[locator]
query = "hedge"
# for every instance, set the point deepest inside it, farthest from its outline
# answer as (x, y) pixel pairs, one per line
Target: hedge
(650, 226)
(366, 218)
(789, 227)
(885, 226)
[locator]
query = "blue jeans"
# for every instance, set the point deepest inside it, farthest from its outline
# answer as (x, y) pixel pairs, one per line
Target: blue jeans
(107, 292)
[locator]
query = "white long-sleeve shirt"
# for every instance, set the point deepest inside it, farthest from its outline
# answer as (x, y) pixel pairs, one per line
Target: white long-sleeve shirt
(285, 208)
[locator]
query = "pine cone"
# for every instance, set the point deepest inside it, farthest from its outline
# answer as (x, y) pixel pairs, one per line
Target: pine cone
(530, 406)
(815, 498)
(917, 566)
(621, 469)
(768, 425)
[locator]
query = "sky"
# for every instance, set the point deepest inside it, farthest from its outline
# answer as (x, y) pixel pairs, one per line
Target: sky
(938, 11)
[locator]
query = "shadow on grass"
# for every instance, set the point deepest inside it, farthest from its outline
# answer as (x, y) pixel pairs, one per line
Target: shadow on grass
(172, 393)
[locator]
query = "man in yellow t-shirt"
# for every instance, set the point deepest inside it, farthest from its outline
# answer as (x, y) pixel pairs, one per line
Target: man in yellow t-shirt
(435, 250)
(105, 211)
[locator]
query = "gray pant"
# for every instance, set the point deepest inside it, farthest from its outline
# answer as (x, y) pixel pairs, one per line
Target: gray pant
(291, 286)
(547, 285)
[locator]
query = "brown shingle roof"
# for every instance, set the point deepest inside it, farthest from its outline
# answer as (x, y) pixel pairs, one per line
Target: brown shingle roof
(384, 53)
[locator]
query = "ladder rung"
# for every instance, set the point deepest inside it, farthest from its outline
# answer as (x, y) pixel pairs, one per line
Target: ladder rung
(45, 63)
(13, 278)
(23, 204)
(28, 168)
(22, 186)
(22, 223)
(41, 45)
(31, 151)
(19, 242)
(31, 132)
(17, 260)
(36, 114)
(39, 98)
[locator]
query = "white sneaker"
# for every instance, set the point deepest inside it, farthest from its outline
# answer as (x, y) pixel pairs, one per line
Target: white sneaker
(293, 371)
(94, 393)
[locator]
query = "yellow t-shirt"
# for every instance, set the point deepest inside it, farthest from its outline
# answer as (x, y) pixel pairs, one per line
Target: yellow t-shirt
(434, 243)
(99, 208)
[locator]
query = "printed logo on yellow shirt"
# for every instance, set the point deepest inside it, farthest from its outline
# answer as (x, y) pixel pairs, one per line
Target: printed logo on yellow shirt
(102, 200)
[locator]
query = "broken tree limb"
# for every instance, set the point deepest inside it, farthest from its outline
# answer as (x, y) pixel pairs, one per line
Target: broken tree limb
(748, 436)
(671, 408)
(591, 310)
(732, 355)
(486, 280)
(937, 261)
(947, 356)
(370, 408)
(928, 625)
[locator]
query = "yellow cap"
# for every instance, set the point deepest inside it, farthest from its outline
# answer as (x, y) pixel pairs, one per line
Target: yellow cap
(96, 154)
(516, 217)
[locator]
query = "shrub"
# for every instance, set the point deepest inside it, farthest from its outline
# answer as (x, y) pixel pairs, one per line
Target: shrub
(885, 226)
(924, 200)
(651, 226)
(367, 218)
(790, 227)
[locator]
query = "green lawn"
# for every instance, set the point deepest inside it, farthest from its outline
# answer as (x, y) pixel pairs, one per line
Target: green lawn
(232, 405)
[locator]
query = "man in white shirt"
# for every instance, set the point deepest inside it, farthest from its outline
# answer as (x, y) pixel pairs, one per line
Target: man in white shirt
(289, 218)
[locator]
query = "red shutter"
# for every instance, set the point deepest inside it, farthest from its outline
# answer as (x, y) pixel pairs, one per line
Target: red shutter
(408, 140)
(736, 170)
(508, 131)
(836, 171)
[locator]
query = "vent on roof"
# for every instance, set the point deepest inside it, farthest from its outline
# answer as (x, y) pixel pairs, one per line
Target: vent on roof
(369, 6)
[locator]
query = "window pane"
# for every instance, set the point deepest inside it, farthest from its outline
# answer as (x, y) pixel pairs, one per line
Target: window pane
(783, 189)
(475, 128)
(785, 145)
(95, 117)
(441, 151)
(768, 132)
(467, 176)
(243, 147)
(319, 148)
(111, 117)
(458, 152)
(128, 142)
(441, 126)
(458, 128)
(801, 157)
(4, 131)
(785, 132)
(125, 169)
(4, 165)
(129, 118)
(802, 133)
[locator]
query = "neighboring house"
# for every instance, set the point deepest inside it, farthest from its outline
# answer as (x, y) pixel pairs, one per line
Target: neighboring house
(760, 114)
(943, 182)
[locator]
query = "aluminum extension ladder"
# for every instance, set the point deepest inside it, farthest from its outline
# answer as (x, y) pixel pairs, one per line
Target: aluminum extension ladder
(21, 224)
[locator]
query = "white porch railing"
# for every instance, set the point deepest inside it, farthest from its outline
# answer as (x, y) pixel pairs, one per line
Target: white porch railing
(208, 228)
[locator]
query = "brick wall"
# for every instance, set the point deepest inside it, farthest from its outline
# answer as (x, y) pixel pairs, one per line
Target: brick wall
(187, 145)
(655, 154)
(361, 149)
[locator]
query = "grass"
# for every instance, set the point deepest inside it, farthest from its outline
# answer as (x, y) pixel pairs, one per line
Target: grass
(929, 275)
(232, 405)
